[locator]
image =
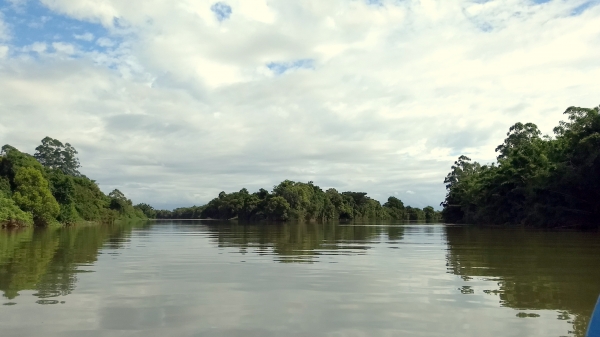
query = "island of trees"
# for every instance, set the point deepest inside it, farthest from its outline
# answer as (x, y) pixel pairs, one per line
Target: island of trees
(47, 189)
(537, 180)
(299, 202)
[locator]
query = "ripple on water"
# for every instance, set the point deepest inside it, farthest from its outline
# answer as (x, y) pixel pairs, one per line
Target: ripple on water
(226, 279)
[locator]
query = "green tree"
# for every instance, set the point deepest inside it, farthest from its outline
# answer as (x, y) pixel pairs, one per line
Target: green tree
(5, 187)
(277, 208)
(395, 208)
(91, 204)
(12, 215)
(541, 181)
(517, 136)
(118, 201)
(12, 160)
(55, 155)
(415, 213)
(33, 195)
(148, 210)
(430, 214)
(63, 189)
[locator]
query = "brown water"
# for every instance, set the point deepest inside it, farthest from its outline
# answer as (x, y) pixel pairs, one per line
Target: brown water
(193, 278)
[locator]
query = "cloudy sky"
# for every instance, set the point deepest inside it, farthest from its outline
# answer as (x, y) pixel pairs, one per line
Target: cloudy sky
(173, 101)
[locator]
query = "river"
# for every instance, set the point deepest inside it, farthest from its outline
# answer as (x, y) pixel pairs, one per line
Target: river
(208, 278)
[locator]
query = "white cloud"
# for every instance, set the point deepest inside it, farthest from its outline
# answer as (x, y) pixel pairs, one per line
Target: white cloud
(85, 37)
(38, 47)
(64, 48)
(105, 42)
(185, 106)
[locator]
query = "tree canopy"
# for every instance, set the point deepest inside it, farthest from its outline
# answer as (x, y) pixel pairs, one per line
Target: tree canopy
(537, 180)
(47, 189)
(55, 155)
(291, 200)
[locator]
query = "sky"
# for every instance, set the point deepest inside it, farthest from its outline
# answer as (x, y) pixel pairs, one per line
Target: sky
(173, 101)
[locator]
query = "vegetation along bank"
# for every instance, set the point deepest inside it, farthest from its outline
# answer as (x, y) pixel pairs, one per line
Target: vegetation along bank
(546, 181)
(298, 201)
(47, 189)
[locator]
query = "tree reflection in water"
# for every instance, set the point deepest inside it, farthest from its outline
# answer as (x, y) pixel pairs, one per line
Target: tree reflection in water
(302, 242)
(533, 270)
(48, 259)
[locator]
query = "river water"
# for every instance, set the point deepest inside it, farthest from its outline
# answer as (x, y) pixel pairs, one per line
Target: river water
(206, 278)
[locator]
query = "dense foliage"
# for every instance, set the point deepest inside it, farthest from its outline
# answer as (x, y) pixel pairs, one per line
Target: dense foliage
(296, 201)
(12, 215)
(537, 180)
(47, 189)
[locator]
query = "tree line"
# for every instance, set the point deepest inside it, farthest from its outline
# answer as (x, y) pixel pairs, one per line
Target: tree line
(297, 201)
(47, 189)
(547, 181)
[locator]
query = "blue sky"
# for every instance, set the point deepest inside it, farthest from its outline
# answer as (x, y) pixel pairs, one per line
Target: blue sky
(174, 101)
(33, 22)
(281, 67)
(222, 10)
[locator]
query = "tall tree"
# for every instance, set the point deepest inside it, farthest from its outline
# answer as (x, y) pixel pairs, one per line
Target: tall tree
(55, 155)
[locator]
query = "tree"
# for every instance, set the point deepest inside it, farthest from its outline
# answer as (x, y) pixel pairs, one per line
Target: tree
(33, 195)
(540, 181)
(5, 187)
(395, 208)
(517, 135)
(119, 202)
(55, 155)
(116, 194)
(13, 159)
(12, 215)
(277, 208)
(62, 187)
(415, 214)
(430, 214)
(148, 210)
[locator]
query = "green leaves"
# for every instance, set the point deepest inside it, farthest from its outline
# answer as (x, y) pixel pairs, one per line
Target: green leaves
(537, 180)
(292, 200)
(56, 192)
(33, 195)
(518, 135)
(12, 215)
(53, 154)
(148, 210)
(277, 208)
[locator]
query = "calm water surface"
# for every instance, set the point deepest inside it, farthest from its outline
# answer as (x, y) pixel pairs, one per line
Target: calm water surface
(193, 278)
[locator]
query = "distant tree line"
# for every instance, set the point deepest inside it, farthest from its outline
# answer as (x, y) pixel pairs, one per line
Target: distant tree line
(47, 189)
(537, 180)
(296, 201)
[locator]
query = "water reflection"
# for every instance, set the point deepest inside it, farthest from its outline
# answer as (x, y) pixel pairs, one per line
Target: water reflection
(533, 270)
(302, 242)
(49, 260)
(210, 278)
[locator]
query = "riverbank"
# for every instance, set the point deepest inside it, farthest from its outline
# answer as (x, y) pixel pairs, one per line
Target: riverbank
(540, 181)
(46, 190)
